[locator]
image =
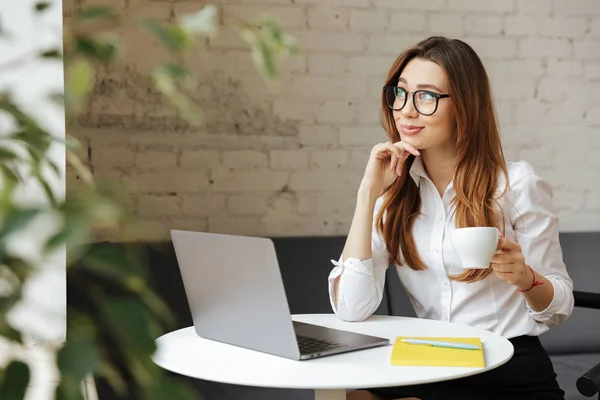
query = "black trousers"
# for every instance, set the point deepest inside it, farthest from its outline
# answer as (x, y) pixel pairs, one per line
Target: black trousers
(528, 375)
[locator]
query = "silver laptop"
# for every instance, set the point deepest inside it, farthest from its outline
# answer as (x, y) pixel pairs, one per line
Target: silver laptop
(236, 296)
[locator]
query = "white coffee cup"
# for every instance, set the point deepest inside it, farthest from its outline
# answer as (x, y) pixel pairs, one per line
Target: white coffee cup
(475, 246)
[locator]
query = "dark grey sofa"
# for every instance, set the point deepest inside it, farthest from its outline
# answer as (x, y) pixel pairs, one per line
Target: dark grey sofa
(574, 347)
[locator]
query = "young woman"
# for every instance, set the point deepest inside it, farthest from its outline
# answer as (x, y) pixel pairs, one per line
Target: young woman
(443, 167)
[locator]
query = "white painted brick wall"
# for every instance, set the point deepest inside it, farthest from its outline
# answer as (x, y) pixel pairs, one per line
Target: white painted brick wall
(287, 160)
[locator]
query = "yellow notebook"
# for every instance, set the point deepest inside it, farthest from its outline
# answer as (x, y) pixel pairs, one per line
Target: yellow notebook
(424, 355)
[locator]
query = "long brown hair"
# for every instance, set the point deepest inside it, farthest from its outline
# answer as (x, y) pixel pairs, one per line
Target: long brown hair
(479, 154)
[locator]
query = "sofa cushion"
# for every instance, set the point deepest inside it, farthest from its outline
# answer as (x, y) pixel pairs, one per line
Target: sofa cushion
(398, 300)
(579, 334)
(305, 266)
(569, 367)
(581, 253)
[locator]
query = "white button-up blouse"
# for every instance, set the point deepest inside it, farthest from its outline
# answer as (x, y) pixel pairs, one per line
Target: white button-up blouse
(491, 303)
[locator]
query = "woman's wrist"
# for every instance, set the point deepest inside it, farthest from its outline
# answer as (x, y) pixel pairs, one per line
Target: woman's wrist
(525, 282)
(529, 281)
(366, 193)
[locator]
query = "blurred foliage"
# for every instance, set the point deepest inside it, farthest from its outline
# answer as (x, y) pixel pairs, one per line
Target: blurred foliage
(113, 316)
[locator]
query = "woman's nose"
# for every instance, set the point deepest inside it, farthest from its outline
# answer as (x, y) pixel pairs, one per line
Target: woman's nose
(409, 109)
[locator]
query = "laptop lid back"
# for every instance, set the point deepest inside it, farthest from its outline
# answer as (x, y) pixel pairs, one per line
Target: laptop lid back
(235, 292)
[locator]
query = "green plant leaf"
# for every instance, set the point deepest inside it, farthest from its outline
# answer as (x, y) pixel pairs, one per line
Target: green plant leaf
(49, 192)
(41, 6)
(271, 30)
(164, 78)
(10, 180)
(103, 51)
(77, 359)
(94, 12)
(35, 161)
(8, 302)
(16, 219)
(29, 130)
(16, 379)
(10, 175)
(291, 44)
(172, 36)
(54, 167)
(54, 53)
(36, 141)
(123, 267)
(264, 60)
(10, 333)
(72, 143)
(7, 155)
(73, 235)
(203, 22)
(58, 99)
(163, 81)
(117, 263)
(248, 33)
(18, 267)
(80, 78)
(84, 172)
(188, 110)
(174, 71)
(167, 388)
(108, 372)
(136, 330)
(68, 388)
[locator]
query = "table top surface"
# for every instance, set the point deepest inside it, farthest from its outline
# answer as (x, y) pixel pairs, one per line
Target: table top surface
(185, 353)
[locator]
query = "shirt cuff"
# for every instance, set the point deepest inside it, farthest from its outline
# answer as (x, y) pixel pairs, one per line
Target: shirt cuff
(352, 264)
(554, 307)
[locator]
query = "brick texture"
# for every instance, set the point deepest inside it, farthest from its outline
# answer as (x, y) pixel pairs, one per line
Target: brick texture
(287, 159)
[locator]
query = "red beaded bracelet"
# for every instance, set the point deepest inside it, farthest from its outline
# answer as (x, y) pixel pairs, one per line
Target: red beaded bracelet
(535, 282)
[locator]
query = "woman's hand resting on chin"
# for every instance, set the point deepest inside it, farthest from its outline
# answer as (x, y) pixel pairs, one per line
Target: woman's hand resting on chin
(385, 165)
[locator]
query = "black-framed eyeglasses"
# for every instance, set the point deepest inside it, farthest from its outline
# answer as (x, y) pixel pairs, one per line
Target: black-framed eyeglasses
(425, 101)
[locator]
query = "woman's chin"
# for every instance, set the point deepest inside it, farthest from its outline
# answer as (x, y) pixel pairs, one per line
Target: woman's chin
(413, 140)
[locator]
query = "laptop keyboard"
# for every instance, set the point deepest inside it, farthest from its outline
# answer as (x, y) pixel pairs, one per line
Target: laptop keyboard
(309, 345)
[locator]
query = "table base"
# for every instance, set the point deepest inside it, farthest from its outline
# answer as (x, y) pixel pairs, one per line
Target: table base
(330, 394)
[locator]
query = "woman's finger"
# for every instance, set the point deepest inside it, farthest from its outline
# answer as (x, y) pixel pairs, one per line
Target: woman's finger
(503, 258)
(383, 151)
(397, 151)
(393, 162)
(508, 244)
(504, 268)
(410, 148)
(505, 276)
(399, 166)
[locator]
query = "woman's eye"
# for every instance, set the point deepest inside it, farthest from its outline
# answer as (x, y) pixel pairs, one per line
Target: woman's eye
(401, 93)
(427, 96)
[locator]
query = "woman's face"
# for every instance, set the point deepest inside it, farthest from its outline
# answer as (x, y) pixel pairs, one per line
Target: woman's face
(425, 131)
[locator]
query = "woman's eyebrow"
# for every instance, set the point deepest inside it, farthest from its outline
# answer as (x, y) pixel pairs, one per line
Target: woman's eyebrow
(429, 87)
(421, 86)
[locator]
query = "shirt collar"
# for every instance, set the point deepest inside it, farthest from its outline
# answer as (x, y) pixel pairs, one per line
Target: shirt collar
(417, 170)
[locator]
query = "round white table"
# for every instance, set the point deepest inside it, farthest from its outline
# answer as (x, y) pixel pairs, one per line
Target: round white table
(185, 353)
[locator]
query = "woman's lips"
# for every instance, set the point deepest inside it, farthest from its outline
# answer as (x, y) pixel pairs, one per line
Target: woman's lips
(411, 129)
